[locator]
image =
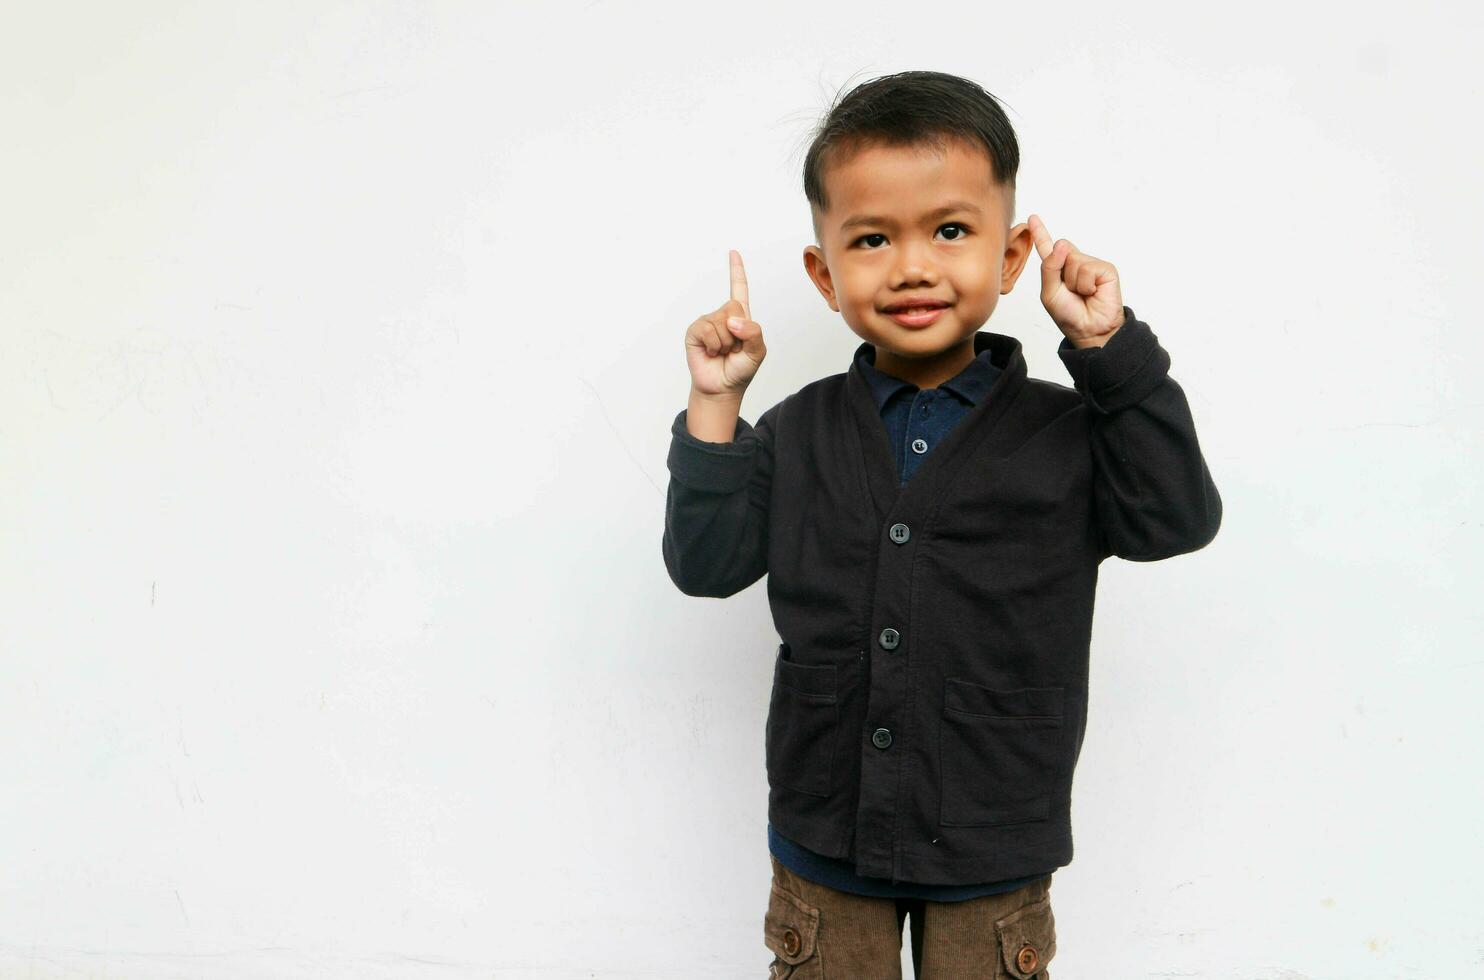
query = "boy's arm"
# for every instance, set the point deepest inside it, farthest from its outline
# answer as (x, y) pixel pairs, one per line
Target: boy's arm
(1153, 494)
(716, 507)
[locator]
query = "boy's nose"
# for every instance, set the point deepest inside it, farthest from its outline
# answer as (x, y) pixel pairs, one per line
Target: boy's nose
(909, 276)
(915, 264)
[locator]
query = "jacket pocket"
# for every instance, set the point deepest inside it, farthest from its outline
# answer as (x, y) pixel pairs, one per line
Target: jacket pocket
(790, 930)
(1001, 753)
(803, 719)
(1027, 939)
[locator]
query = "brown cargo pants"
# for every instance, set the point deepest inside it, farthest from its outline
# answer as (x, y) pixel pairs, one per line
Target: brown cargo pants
(819, 933)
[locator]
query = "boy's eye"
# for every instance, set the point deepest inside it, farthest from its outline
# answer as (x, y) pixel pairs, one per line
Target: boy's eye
(963, 229)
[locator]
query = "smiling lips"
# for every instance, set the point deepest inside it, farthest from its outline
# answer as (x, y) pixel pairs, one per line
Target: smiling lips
(916, 314)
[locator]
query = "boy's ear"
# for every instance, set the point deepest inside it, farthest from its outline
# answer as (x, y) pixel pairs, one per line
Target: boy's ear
(819, 272)
(1018, 245)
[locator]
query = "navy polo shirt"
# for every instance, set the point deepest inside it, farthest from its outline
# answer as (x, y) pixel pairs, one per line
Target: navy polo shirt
(916, 420)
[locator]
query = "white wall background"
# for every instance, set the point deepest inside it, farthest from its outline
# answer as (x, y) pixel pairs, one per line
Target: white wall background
(338, 349)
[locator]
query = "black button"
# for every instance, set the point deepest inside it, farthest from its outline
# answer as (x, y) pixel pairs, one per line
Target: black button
(890, 638)
(900, 534)
(919, 446)
(881, 738)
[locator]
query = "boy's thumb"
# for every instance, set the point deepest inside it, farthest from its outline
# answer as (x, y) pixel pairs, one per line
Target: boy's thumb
(747, 331)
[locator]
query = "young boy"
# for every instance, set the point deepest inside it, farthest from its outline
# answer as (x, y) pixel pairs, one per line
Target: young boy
(931, 522)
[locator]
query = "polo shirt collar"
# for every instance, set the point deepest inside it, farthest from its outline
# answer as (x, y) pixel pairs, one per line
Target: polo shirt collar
(971, 384)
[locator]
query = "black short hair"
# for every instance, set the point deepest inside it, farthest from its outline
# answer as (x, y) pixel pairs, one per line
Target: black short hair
(910, 108)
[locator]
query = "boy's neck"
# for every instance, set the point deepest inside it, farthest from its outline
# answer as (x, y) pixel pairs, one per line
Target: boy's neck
(927, 372)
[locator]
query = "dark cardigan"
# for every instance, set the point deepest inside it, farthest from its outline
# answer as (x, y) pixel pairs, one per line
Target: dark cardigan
(929, 695)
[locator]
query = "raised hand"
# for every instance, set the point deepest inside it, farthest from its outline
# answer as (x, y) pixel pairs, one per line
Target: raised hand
(1079, 291)
(724, 348)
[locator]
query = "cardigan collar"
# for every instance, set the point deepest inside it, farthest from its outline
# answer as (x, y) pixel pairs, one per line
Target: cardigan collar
(887, 491)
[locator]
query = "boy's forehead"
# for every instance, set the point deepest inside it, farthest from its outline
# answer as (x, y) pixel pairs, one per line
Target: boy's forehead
(907, 180)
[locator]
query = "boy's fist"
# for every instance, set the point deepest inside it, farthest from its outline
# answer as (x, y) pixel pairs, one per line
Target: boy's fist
(724, 348)
(1079, 291)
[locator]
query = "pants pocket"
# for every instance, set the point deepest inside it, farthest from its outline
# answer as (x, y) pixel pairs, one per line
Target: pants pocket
(1002, 753)
(1027, 939)
(790, 930)
(802, 726)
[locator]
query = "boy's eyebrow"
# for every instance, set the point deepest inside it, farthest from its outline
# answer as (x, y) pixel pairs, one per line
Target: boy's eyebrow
(949, 208)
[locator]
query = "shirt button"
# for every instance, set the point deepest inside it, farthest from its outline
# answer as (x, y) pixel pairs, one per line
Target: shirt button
(900, 534)
(919, 446)
(881, 738)
(1026, 959)
(790, 942)
(890, 638)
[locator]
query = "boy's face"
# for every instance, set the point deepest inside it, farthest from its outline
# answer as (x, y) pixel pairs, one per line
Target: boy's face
(908, 248)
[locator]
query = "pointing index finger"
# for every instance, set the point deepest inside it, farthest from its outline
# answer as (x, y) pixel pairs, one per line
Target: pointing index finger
(739, 282)
(1042, 237)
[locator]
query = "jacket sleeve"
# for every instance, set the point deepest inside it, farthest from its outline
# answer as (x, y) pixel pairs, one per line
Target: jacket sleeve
(1152, 492)
(716, 507)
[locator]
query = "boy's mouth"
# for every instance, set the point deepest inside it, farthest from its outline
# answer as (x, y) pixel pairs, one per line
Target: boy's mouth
(915, 315)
